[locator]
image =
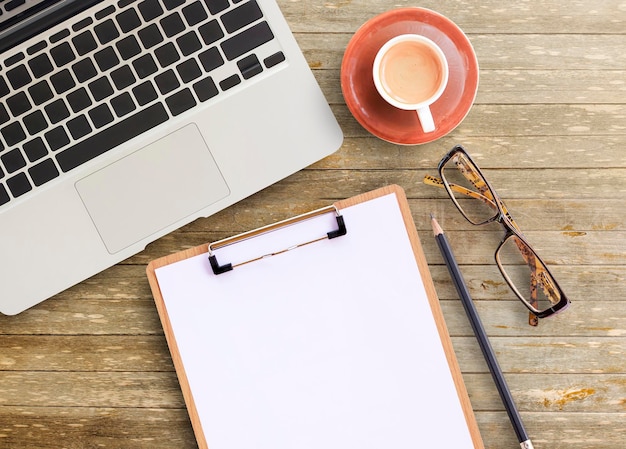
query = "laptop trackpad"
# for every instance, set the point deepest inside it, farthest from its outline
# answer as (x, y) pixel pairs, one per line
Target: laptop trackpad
(152, 188)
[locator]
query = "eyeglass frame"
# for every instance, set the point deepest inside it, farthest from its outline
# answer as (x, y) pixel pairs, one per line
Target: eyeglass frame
(487, 194)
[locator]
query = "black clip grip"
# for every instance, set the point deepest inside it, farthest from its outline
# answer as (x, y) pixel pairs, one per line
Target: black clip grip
(341, 228)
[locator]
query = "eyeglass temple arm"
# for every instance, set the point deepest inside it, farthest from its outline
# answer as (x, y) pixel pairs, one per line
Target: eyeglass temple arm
(437, 182)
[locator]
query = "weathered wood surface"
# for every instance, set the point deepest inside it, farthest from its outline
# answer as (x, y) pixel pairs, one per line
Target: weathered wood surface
(90, 367)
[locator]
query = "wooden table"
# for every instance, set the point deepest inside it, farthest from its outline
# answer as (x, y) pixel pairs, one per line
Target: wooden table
(90, 368)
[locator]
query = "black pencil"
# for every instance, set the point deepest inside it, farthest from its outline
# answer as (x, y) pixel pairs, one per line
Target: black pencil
(481, 336)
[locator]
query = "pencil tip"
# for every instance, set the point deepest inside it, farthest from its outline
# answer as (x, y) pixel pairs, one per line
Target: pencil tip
(436, 228)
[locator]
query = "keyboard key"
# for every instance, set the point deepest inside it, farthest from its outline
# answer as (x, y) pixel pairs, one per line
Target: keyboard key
(230, 82)
(249, 66)
(4, 89)
(40, 65)
(4, 115)
(216, 6)
(122, 77)
(57, 138)
(18, 104)
(167, 54)
(19, 76)
(123, 104)
(172, 24)
(101, 115)
(171, 4)
(12, 4)
(144, 93)
(4, 195)
(124, 3)
(274, 59)
(79, 100)
(180, 102)
(211, 59)
(145, 66)
(84, 70)
(59, 36)
(205, 89)
(194, 13)
(106, 59)
(62, 81)
(241, 16)
(247, 40)
(100, 88)
(150, 36)
(40, 92)
(12, 60)
(150, 9)
(79, 127)
(19, 185)
(35, 122)
(57, 111)
(43, 172)
(166, 82)
(62, 54)
(104, 12)
(188, 70)
(109, 138)
(106, 31)
(84, 43)
(128, 47)
(82, 24)
(13, 160)
(35, 149)
(128, 20)
(13, 133)
(211, 32)
(189, 43)
(36, 47)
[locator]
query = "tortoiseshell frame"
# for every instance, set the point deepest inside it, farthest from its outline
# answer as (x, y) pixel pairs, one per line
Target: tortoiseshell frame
(540, 275)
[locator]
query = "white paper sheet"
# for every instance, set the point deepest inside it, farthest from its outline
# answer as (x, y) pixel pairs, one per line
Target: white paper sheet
(332, 345)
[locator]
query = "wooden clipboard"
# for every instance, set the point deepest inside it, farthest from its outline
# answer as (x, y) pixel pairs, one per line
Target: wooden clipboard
(189, 359)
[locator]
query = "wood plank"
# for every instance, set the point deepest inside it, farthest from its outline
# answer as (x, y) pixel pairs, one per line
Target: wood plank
(84, 353)
(140, 390)
(491, 16)
(88, 427)
(546, 355)
(520, 152)
(557, 430)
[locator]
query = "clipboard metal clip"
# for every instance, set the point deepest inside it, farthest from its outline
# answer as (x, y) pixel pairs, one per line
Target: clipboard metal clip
(219, 269)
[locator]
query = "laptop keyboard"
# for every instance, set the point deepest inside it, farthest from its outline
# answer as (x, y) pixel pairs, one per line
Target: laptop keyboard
(118, 73)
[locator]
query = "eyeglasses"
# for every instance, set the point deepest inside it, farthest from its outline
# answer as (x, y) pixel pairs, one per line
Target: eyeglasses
(524, 271)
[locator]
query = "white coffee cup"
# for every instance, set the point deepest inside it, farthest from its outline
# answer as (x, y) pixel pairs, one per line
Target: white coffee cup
(411, 72)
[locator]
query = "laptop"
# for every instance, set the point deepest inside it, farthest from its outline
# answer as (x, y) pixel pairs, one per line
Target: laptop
(121, 121)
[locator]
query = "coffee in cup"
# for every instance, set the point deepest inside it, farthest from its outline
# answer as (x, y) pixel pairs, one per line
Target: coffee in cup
(411, 72)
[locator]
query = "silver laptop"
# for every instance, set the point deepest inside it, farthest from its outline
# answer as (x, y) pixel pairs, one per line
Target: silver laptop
(121, 121)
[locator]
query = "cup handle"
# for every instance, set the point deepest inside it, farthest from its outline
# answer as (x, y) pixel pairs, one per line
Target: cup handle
(426, 119)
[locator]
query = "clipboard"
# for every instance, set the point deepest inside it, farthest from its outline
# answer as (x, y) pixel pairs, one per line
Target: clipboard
(320, 331)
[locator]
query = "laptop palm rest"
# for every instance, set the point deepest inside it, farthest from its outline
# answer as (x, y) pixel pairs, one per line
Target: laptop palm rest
(141, 189)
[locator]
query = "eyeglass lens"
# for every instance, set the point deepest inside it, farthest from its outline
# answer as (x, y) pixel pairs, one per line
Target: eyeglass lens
(468, 189)
(527, 275)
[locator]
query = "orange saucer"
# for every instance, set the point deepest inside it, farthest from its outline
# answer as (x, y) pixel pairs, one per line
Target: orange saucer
(375, 114)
